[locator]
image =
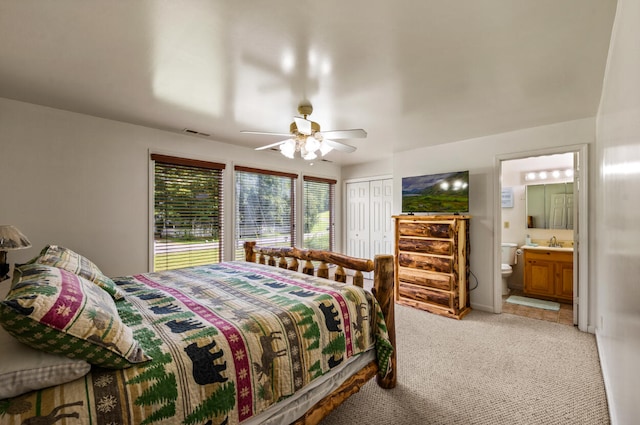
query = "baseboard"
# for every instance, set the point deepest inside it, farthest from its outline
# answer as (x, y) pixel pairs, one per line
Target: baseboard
(482, 307)
(605, 378)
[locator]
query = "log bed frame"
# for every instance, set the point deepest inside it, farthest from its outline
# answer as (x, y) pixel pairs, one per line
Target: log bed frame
(383, 284)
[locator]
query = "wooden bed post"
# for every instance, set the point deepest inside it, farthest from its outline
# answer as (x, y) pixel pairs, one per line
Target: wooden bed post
(383, 283)
(249, 254)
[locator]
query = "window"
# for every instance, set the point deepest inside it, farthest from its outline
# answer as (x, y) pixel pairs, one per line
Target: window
(319, 213)
(265, 208)
(188, 201)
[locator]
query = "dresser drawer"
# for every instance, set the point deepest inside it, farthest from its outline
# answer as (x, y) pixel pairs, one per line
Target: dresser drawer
(425, 295)
(432, 246)
(426, 262)
(432, 229)
(428, 279)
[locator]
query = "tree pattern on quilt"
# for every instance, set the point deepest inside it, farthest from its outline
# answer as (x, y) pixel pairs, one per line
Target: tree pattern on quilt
(226, 341)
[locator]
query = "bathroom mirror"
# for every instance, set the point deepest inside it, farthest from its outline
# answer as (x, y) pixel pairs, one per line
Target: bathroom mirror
(550, 206)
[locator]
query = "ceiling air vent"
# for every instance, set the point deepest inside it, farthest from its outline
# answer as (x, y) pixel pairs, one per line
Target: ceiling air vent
(195, 133)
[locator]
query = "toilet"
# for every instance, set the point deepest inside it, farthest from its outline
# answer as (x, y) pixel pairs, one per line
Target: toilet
(508, 259)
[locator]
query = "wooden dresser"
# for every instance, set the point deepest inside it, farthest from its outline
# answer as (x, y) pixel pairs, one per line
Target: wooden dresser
(432, 263)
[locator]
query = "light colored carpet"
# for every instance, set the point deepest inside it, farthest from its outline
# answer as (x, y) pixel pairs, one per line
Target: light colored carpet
(533, 302)
(484, 369)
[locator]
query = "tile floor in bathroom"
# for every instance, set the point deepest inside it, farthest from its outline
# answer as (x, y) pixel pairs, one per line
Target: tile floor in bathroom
(564, 316)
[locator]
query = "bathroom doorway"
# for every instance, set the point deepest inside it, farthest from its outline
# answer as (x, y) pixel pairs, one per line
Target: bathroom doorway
(525, 171)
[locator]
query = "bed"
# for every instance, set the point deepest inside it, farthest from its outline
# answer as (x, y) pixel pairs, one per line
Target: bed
(251, 342)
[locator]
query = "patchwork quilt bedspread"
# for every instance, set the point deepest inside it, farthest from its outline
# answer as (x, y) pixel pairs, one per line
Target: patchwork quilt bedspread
(227, 341)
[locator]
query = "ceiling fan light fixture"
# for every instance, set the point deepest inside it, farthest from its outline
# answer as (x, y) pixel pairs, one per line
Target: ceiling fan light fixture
(306, 137)
(310, 156)
(311, 144)
(288, 148)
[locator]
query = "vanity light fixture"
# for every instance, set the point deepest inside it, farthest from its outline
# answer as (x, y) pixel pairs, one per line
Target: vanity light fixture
(547, 175)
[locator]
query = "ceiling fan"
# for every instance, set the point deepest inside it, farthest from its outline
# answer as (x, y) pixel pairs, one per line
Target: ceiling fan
(305, 137)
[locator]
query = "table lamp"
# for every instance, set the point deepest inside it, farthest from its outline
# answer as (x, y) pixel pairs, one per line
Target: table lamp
(10, 239)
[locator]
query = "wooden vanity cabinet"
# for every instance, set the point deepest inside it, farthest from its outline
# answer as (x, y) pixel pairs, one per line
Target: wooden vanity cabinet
(432, 263)
(564, 286)
(548, 274)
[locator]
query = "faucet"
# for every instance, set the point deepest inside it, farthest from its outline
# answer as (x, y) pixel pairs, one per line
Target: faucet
(553, 242)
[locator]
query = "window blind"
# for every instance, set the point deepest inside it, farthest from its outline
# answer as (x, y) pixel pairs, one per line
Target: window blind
(319, 224)
(264, 207)
(188, 212)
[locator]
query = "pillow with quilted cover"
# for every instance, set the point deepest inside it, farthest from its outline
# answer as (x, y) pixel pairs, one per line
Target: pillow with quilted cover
(56, 311)
(23, 369)
(64, 258)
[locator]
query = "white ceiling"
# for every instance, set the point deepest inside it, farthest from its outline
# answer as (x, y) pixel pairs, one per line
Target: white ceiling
(411, 72)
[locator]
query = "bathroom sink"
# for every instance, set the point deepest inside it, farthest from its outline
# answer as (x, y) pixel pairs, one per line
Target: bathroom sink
(548, 248)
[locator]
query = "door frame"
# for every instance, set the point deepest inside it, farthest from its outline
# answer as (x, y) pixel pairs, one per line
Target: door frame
(581, 228)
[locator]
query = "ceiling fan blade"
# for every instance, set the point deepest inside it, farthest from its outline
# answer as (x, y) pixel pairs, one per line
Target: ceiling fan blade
(266, 133)
(272, 145)
(304, 126)
(356, 133)
(339, 146)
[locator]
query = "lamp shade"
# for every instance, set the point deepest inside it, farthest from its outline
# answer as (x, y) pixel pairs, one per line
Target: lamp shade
(11, 238)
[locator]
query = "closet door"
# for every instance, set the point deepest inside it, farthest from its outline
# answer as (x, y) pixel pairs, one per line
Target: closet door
(381, 221)
(358, 219)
